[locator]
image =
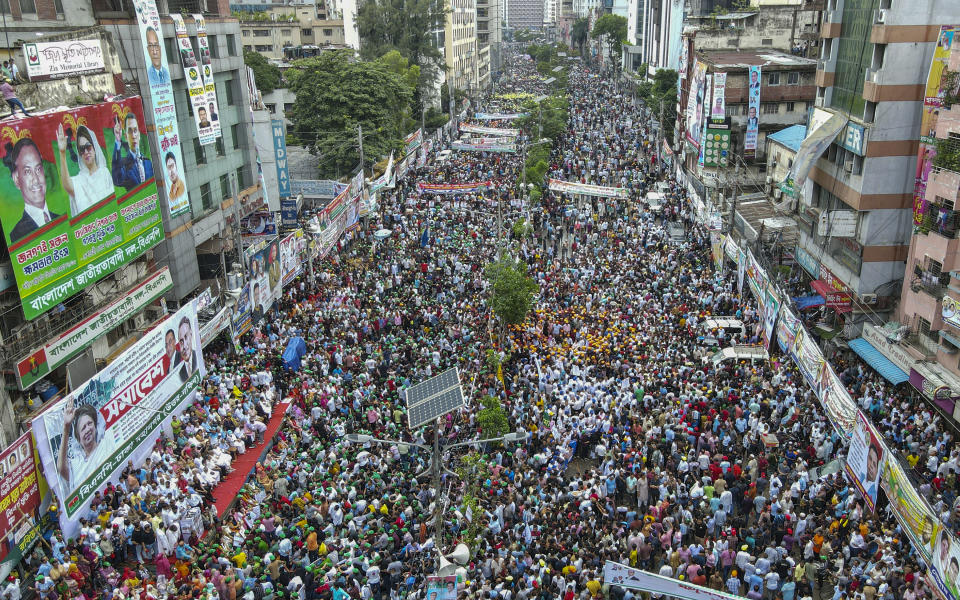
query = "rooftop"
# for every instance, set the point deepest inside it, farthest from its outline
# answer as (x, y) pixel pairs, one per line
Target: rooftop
(791, 137)
(734, 59)
(736, 15)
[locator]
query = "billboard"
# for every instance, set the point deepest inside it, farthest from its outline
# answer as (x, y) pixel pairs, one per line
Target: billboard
(718, 106)
(77, 199)
(19, 490)
(241, 319)
(67, 58)
(280, 155)
(166, 132)
(85, 439)
(695, 102)
(206, 69)
(864, 463)
(753, 112)
(194, 82)
(292, 250)
(263, 260)
(70, 343)
(638, 579)
(259, 223)
(716, 143)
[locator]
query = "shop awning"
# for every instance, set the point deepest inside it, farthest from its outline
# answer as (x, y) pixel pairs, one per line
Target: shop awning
(878, 361)
(805, 302)
(838, 301)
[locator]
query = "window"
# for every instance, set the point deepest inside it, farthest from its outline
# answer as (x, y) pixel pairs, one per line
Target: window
(5, 7)
(306, 32)
(241, 178)
(793, 78)
(285, 32)
(853, 55)
(769, 108)
(235, 133)
(199, 152)
(870, 112)
(228, 84)
(790, 106)
(773, 78)
(225, 186)
(214, 46)
(264, 48)
(766, 42)
(28, 7)
(272, 108)
(58, 6)
(206, 197)
(231, 45)
(247, 48)
(221, 150)
(261, 33)
(328, 32)
(170, 45)
(246, 33)
(288, 107)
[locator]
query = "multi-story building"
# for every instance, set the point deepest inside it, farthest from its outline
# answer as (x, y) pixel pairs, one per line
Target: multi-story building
(271, 37)
(856, 207)
(653, 35)
(525, 14)
(489, 40)
(461, 51)
(196, 245)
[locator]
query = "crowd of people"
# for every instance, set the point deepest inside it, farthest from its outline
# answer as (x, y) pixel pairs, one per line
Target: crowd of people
(640, 451)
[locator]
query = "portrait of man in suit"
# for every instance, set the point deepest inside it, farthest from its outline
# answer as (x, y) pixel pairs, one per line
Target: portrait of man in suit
(157, 72)
(27, 173)
(130, 168)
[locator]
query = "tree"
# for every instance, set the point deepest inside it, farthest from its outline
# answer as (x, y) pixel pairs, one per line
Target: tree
(406, 26)
(661, 91)
(268, 75)
(410, 74)
(492, 419)
(579, 32)
(611, 30)
(335, 94)
(513, 290)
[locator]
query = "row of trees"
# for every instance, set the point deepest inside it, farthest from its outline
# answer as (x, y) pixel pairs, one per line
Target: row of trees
(658, 93)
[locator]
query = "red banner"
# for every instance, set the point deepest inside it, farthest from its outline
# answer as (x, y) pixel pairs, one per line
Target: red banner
(19, 486)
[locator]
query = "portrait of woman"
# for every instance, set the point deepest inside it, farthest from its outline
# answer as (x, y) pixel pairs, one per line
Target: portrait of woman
(93, 182)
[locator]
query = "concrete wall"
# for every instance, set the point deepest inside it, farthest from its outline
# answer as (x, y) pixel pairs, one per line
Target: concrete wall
(772, 28)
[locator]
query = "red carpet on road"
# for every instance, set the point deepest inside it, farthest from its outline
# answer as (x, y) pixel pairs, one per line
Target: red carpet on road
(243, 466)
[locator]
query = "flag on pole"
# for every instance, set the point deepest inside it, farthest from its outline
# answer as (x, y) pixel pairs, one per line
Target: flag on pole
(425, 237)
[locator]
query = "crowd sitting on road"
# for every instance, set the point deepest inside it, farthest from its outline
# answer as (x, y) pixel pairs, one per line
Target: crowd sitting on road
(640, 450)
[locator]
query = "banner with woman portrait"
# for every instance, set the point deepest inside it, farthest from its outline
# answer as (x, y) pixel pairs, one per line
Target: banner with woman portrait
(78, 198)
(86, 439)
(864, 463)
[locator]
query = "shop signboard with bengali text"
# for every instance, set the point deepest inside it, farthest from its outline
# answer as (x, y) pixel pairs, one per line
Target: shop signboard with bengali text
(75, 340)
(76, 204)
(86, 439)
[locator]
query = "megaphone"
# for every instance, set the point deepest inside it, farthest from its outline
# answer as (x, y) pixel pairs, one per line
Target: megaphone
(460, 554)
(446, 567)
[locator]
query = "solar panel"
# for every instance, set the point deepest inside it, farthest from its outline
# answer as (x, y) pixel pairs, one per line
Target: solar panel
(433, 398)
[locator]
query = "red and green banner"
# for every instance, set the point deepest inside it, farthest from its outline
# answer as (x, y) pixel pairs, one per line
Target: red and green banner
(449, 189)
(79, 199)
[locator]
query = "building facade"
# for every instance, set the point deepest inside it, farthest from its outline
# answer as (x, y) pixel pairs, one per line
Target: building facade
(525, 14)
(489, 40)
(461, 52)
(269, 32)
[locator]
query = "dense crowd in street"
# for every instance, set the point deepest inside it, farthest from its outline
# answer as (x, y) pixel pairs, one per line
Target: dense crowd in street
(640, 450)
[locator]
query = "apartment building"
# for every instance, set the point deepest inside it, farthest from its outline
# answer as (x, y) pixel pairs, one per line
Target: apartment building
(461, 51)
(270, 29)
(525, 14)
(489, 40)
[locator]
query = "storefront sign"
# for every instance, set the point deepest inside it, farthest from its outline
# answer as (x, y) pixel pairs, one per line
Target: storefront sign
(853, 138)
(280, 156)
(72, 342)
(897, 355)
(67, 58)
(807, 261)
(936, 391)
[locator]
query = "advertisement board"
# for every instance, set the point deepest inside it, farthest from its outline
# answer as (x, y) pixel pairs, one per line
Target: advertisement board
(241, 318)
(263, 260)
(864, 463)
(293, 250)
(638, 579)
(67, 58)
(206, 70)
(67, 345)
(716, 144)
(165, 131)
(718, 106)
(194, 82)
(260, 223)
(70, 214)
(695, 104)
(280, 155)
(753, 112)
(86, 439)
(19, 489)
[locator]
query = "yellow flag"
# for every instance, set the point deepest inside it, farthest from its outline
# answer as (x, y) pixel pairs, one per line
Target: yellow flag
(500, 375)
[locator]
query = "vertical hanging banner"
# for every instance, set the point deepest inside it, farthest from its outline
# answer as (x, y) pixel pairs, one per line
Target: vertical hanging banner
(753, 113)
(865, 457)
(694, 113)
(718, 107)
(280, 155)
(206, 69)
(191, 72)
(166, 132)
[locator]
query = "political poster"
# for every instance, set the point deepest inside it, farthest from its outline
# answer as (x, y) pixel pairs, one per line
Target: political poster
(260, 223)
(787, 328)
(77, 198)
(771, 308)
(741, 269)
(241, 319)
(638, 579)
(753, 113)
(165, 132)
(66, 58)
(920, 524)
(491, 131)
(20, 491)
(194, 82)
(807, 355)
(293, 249)
(442, 587)
(585, 189)
(945, 565)
(840, 408)
(86, 439)
(412, 142)
(865, 457)
(480, 147)
(263, 260)
(695, 104)
(718, 106)
(206, 71)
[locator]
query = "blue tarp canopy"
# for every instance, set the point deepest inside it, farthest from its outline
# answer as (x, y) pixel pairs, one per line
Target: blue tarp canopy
(879, 362)
(804, 302)
(296, 348)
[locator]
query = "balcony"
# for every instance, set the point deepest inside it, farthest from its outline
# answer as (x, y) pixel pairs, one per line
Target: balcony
(941, 221)
(933, 283)
(926, 344)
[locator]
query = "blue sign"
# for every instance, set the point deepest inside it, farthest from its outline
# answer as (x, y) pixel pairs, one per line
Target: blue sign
(852, 138)
(807, 261)
(280, 155)
(288, 212)
(316, 188)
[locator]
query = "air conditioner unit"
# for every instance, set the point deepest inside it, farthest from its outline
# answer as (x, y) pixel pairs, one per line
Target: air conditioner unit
(848, 166)
(777, 193)
(869, 298)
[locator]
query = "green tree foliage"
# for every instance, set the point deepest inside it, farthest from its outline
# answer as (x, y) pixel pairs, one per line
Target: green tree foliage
(334, 94)
(458, 96)
(405, 26)
(546, 119)
(513, 290)
(492, 418)
(267, 74)
(661, 89)
(580, 32)
(612, 31)
(410, 74)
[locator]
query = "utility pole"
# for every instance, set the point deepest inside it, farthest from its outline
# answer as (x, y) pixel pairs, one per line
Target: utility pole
(360, 140)
(423, 119)
(435, 471)
(236, 226)
(660, 140)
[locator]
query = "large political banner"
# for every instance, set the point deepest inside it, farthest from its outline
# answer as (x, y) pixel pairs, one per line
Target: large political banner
(945, 565)
(412, 141)
(194, 82)
(916, 518)
(19, 491)
(170, 166)
(206, 69)
(638, 579)
(865, 457)
(482, 147)
(695, 101)
(756, 277)
(718, 106)
(450, 189)
(753, 113)
(293, 249)
(241, 318)
(86, 439)
(771, 308)
(787, 328)
(77, 199)
(491, 131)
(263, 259)
(836, 400)
(585, 189)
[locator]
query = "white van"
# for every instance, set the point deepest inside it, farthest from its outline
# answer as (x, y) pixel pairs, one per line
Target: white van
(729, 325)
(443, 155)
(655, 200)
